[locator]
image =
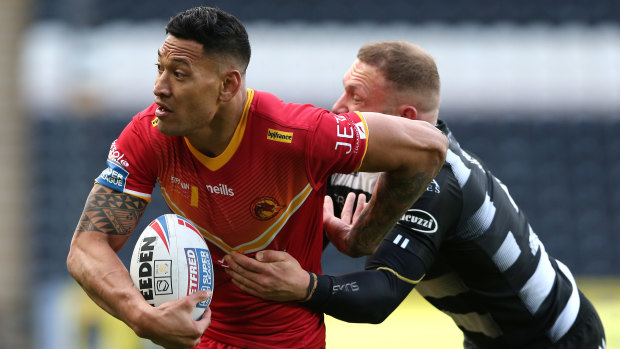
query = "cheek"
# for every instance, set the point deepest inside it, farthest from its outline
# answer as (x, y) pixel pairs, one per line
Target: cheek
(377, 105)
(200, 108)
(198, 99)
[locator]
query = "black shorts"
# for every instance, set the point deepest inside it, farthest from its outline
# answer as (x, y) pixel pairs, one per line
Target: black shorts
(587, 332)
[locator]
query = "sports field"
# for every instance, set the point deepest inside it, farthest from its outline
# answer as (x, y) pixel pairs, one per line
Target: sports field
(416, 324)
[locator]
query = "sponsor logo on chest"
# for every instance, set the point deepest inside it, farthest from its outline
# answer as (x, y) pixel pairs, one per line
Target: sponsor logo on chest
(279, 136)
(220, 189)
(419, 220)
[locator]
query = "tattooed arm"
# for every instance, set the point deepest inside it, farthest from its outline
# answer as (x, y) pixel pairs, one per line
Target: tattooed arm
(108, 219)
(410, 153)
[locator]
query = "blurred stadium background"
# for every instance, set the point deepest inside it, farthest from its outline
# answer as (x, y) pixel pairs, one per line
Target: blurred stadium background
(533, 87)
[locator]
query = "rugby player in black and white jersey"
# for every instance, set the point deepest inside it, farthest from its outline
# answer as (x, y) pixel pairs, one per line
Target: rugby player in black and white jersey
(464, 245)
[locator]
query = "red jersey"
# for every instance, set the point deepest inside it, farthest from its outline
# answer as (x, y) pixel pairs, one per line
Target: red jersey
(265, 191)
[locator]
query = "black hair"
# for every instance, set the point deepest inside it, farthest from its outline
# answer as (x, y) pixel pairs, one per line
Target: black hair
(219, 32)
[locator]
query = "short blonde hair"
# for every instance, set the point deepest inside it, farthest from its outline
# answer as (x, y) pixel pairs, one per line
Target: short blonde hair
(408, 67)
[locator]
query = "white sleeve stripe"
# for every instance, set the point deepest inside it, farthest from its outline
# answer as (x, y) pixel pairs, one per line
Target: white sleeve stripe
(137, 193)
(537, 288)
(507, 254)
(461, 172)
(481, 220)
(568, 315)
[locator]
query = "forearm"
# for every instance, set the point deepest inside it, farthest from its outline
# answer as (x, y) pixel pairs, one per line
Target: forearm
(392, 196)
(361, 297)
(106, 281)
(108, 219)
(104, 278)
(410, 157)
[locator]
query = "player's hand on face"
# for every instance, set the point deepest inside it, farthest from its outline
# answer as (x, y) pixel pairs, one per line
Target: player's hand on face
(172, 325)
(338, 229)
(273, 275)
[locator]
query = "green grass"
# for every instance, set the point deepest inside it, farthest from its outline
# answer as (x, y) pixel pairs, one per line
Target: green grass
(416, 324)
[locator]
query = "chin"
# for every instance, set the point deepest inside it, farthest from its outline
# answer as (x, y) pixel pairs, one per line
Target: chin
(167, 130)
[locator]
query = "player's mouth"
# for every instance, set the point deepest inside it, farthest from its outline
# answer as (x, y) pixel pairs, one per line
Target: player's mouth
(162, 110)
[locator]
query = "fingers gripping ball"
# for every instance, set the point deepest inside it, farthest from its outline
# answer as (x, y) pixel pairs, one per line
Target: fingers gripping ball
(171, 260)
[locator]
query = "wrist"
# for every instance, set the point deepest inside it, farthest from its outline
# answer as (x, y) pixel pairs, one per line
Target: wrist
(321, 294)
(312, 283)
(139, 318)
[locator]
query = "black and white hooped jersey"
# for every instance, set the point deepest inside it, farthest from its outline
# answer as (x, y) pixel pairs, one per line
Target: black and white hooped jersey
(470, 251)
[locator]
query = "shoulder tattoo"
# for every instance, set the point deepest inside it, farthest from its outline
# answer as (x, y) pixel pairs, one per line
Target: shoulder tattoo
(111, 212)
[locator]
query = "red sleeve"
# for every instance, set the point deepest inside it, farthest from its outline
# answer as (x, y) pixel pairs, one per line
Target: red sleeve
(337, 145)
(132, 166)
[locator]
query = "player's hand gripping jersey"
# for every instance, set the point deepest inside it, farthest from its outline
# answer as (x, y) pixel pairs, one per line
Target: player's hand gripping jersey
(265, 190)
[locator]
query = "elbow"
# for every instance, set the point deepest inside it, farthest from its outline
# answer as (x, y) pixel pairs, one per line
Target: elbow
(441, 149)
(438, 148)
(387, 304)
(72, 262)
(438, 158)
(435, 147)
(361, 315)
(372, 316)
(378, 317)
(75, 260)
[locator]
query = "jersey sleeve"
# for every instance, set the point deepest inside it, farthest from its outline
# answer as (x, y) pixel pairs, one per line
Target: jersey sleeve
(426, 225)
(361, 297)
(131, 165)
(400, 263)
(337, 145)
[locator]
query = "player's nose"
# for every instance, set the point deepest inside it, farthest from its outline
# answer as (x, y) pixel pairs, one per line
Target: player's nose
(161, 87)
(340, 106)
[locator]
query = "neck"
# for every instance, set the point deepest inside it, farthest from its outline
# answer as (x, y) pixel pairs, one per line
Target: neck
(218, 134)
(430, 117)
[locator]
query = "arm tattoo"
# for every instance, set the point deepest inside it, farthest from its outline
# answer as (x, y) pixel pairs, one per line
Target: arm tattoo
(111, 212)
(390, 201)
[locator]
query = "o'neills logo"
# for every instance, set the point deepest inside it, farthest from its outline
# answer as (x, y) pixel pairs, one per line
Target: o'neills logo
(221, 189)
(279, 136)
(265, 208)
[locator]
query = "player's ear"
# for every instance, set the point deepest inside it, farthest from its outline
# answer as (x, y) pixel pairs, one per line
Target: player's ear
(231, 83)
(409, 112)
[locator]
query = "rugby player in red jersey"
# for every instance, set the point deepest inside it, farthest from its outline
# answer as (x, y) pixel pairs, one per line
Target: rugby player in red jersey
(250, 171)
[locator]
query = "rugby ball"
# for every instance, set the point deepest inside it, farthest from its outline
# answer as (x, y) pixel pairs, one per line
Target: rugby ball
(171, 260)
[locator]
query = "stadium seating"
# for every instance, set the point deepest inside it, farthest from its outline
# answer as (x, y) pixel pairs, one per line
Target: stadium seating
(563, 174)
(417, 11)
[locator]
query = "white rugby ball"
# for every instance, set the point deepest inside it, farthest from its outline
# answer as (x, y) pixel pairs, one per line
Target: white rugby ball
(171, 260)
